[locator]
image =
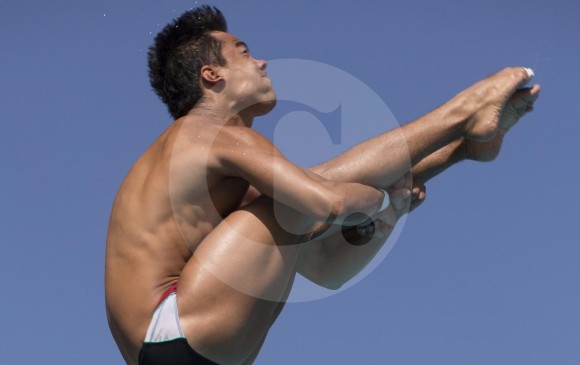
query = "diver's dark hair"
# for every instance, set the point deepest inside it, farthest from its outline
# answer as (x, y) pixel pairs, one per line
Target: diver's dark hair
(179, 52)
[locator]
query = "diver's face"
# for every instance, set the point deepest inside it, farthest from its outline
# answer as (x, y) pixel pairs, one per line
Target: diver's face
(246, 80)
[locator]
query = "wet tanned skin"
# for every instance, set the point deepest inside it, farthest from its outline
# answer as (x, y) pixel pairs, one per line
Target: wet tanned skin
(234, 274)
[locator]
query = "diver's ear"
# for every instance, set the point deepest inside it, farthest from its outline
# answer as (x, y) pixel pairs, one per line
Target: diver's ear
(211, 74)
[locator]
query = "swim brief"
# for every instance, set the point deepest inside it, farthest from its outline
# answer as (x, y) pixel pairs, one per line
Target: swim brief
(165, 343)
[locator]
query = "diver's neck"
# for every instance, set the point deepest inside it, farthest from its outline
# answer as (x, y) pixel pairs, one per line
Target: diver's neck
(226, 114)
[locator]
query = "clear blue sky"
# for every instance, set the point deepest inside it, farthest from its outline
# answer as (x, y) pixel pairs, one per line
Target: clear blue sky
(485, 272)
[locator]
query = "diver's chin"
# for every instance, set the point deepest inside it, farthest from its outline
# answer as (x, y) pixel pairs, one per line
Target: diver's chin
(264, 107)
(264, 104)
(259, 103)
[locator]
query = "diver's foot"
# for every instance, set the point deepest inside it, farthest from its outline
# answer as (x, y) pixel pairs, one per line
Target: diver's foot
(489, 98)
(521, 103)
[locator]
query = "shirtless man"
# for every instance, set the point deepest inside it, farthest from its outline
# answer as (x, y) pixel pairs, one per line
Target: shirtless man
(194, 276)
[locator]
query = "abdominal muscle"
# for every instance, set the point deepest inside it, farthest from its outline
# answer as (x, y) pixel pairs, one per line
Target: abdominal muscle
(230, 289)
(232, 280)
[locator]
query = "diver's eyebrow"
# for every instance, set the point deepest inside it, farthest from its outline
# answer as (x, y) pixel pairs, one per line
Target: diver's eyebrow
(242, 44)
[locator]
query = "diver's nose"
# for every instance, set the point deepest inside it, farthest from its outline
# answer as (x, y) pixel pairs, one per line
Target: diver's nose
(262, 64)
